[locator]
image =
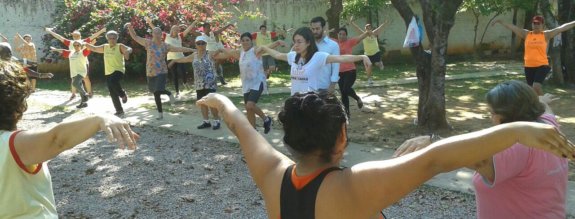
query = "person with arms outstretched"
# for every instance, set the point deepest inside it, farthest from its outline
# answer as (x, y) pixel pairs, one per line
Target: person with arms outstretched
(371, 46)
(77, 36)
(535, 58)
(520, 181)
(312, 184)
(308, 63)
(114, 68)
(252, 75)
(25, 181)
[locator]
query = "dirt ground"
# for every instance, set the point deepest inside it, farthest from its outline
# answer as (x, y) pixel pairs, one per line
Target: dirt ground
(388, 116)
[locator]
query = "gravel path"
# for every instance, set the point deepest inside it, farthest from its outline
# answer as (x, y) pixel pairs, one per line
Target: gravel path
(178, 175)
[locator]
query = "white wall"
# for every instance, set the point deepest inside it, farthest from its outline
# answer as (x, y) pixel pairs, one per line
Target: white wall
(295, 13)
(26, 17)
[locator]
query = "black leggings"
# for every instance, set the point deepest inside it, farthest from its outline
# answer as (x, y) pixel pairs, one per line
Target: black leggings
(346, 81)
(178, 70)
(115, 89)
(158, 99)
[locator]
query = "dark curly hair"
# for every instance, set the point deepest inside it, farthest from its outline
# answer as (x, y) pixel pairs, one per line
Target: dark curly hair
(14, 90)
(515, 101)
(312, 122)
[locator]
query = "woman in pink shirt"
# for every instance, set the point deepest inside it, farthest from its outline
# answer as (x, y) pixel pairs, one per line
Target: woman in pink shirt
(518, 182)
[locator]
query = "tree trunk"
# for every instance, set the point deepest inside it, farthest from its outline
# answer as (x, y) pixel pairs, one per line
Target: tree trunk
(554, 51)
(513, 37)
(475, 28)
(566, 8)
(438, 18)
(333, 14)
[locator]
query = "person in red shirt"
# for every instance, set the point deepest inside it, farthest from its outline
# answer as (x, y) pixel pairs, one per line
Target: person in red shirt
(347, 71)
(76, 35)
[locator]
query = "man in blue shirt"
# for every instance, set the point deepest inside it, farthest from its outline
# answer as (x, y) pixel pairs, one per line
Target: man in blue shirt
(329, 76)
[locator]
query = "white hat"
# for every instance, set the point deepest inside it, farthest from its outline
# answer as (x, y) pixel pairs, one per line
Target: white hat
(201, 38)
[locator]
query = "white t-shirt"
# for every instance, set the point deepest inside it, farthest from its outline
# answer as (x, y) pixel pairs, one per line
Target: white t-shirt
(305, 78)
(175, 42)
(251, 71)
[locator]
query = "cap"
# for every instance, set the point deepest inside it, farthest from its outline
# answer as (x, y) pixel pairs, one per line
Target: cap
(201, 38)
(538, 19)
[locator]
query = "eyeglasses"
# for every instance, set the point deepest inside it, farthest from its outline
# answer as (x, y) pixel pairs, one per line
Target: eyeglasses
(201, 43)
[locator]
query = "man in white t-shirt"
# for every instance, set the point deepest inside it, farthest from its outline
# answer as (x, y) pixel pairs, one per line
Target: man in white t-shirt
(330, 75)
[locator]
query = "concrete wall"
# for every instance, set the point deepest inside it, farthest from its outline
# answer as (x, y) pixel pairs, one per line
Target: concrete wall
(26, 17)
(296, 13)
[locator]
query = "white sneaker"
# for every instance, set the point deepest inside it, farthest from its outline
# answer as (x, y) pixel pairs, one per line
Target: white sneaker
(172, 99)
(369, 82)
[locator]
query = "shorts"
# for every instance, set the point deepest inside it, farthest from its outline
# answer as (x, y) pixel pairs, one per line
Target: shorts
(536, 74)
(375, 57)
(34, 68)
(157, 83)
(254, 95)
(202, 93)
(268, 61)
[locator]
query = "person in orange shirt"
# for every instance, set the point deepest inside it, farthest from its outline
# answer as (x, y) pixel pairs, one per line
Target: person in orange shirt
(536, 62)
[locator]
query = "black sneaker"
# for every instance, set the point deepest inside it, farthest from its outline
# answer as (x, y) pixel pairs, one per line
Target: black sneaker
(216, 126)
(267, 125)
(204, 125)
(359, 103)
(82, 105)
(119, 114)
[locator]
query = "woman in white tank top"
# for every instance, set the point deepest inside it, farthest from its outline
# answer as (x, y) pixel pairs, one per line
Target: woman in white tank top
(252, 75)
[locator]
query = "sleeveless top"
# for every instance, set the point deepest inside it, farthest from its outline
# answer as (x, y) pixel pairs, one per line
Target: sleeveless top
(26, 190)
(535, 50)
(213, 43)
(370, 45)
(156, 58)
(176, 42)
(251, 71)
(204, 74)
(113, 59)
(300, 203)
(28, 51)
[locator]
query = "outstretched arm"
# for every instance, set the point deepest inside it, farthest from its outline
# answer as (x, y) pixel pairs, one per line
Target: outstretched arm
(180, 49)
(515, 29)
(149, 22)
(52, 49)
(552, 33)
(125, 50)
(190, 28)
(4, 39)
(348, 59)
(35, 147)
(223, 54)
(97, 34)
(98, 49)
(378, 30)
(273, 45)
(410, 171)
(546, 99)
(189, 58)
(219, 31)
(273, 53)
(262, 159)
(134, 36)
(357, 28)
(55, 35)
